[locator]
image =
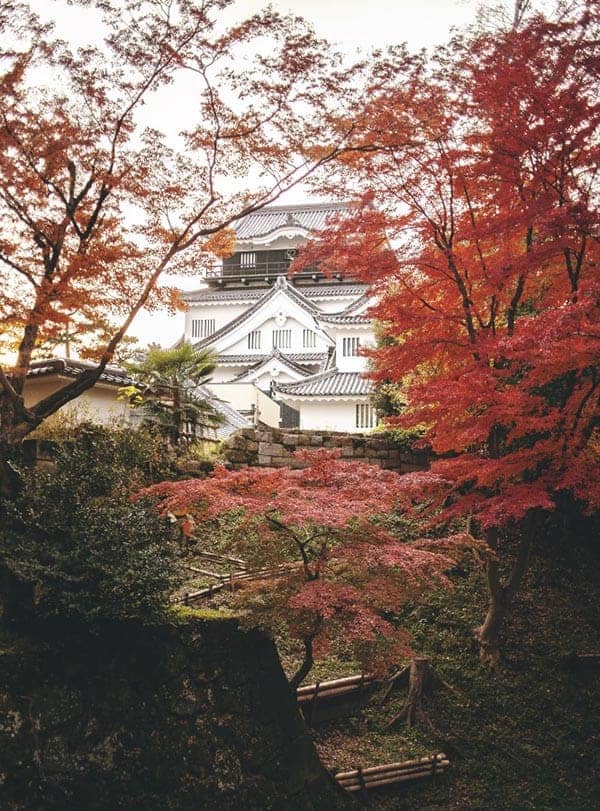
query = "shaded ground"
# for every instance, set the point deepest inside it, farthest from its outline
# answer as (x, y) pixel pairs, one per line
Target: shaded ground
(526, 737)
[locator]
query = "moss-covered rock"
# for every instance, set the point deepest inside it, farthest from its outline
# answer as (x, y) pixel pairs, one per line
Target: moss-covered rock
(194, 714)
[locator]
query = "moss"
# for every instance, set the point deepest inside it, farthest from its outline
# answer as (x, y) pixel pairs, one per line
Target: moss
(183, 612)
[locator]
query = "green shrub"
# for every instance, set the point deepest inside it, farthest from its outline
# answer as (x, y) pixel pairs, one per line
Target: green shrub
(78, 539)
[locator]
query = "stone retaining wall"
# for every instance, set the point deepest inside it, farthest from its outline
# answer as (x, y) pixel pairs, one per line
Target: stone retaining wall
(193, 713)
(274, 447)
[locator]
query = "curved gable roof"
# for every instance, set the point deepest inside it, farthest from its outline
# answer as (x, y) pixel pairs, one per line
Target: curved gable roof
(280, 285)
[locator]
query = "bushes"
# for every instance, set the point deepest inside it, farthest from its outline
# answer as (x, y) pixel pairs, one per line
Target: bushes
(79, 543)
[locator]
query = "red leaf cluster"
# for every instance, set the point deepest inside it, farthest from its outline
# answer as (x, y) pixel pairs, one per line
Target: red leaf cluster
(479, 232)
(329, 517)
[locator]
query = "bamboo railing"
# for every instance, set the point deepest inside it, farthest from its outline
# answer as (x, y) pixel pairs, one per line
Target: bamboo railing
(391, 773)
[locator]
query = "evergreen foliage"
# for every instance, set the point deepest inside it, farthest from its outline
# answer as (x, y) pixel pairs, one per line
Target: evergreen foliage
(76, 539)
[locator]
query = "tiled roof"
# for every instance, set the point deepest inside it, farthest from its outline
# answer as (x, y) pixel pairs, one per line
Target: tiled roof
(312, 217)
(328, 384)
(296, 357)
(334, 318)
(68, 367)
(207, 294)
(280, 284)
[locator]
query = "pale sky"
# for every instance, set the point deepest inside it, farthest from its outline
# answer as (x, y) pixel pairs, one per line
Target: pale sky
(351, 24)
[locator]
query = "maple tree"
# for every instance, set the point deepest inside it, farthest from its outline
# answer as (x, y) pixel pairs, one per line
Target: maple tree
(479, 233)
(96, 205)
(343, 573)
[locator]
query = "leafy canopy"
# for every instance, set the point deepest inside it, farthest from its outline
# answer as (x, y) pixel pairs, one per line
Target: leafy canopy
(96, 205)
(75, 536)
(479, 232)
(344, 573)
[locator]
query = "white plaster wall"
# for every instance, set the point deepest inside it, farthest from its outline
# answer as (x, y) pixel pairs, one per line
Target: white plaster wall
(328, 415)
(99, 404)
(223, 313)
(263, 381)
(224, 374)
(267, 327)
(245, 396)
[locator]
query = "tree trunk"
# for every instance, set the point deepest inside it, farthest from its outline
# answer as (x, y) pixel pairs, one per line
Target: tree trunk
(412, 712)
(306, 665)
(501, 595)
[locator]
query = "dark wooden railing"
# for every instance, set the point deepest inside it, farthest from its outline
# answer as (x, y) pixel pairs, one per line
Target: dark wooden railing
(268, 271)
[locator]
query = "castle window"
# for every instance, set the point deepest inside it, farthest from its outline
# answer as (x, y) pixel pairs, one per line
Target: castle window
(247, 260)
(366, 416)
(309, 338)
(350, 347)
(254, 339)
(202, 327)
(282, 338)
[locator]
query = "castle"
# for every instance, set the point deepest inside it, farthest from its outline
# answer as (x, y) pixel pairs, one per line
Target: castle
(288, 346)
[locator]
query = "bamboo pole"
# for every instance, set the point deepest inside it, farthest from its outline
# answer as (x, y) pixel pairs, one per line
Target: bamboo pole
(393, 776)
(390, 781)
(348, 689)
(367, 677)
(196, 595)
(401, 764)
(215, 556)
(386, 773)
(206, 572)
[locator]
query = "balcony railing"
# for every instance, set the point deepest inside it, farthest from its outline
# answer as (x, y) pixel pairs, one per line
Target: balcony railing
(260, 271)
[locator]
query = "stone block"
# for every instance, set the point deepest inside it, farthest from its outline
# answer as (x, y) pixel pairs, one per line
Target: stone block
(347, 453)
(281, 461)
(237, 456)
(316, 440)
(290, 439)
(264, 460)
(271, 448)
(302, 440)
(264, 436)
(251, 446)
(236, 441)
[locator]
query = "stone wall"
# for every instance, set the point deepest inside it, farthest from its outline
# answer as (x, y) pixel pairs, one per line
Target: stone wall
(273, 447)
(192, 714)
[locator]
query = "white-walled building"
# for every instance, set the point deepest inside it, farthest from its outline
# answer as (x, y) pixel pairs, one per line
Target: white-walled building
(295, 339)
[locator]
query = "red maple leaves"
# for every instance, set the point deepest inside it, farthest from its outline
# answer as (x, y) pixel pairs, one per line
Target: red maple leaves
(328, 518)
(483, 247)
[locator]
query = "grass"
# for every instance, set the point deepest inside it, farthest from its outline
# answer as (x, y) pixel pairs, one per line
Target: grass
(523, 737)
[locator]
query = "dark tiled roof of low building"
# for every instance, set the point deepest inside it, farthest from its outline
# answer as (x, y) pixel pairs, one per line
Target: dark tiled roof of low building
(311, 217)
(68, 367)
(331, 383)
